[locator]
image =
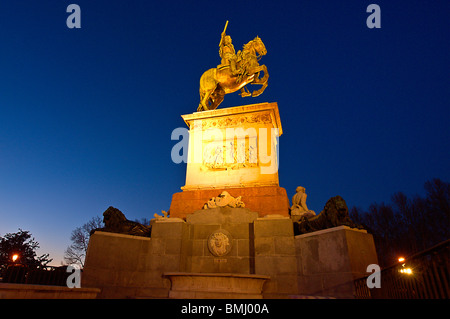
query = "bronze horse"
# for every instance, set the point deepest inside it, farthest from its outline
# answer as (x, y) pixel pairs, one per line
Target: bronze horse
(217, 82)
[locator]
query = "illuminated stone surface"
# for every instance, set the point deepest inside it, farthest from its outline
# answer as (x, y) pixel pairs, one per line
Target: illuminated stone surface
(233, 147)
(330, 260)
(215, 286)
(241, 244)
(264, 200)
(322, 263)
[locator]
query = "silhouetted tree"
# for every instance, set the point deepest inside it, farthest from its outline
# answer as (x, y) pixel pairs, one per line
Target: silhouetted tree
(437, 205)
(22, 244)
(407, 225)
(76, 252)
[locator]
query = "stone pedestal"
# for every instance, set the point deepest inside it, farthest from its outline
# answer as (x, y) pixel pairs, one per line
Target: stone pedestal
(214, 247)
(233, 149)
(215, 286)
(265, 200)
(221, 244)
(330, 260)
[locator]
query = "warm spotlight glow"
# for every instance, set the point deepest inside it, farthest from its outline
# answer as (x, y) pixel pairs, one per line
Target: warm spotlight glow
(15, 257)
(407, 271)
(401, 259)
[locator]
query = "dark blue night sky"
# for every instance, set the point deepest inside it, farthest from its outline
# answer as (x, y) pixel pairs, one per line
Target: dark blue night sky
(86, 114)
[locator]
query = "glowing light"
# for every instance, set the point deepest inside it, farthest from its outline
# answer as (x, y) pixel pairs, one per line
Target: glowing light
(407, 271)
(401, 259)
(15, 257)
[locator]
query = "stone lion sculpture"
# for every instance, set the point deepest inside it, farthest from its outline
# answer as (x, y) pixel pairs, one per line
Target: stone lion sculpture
(335, 213)
(115, 222)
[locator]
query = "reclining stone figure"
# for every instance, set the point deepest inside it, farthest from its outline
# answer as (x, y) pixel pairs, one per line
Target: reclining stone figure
(115, 222)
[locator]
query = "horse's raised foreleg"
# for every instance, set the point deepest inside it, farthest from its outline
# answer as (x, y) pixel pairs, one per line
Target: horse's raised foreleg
(245, 92)
(260, 91)
(262, 81)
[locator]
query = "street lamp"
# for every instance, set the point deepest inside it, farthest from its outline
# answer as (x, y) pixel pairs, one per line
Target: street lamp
(407, 271)
(404, 270)
(15, 257)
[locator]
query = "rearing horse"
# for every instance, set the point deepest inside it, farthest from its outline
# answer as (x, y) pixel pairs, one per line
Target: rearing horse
(217, 82)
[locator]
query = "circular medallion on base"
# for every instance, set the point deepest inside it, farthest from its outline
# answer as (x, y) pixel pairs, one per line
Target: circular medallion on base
(220, 242)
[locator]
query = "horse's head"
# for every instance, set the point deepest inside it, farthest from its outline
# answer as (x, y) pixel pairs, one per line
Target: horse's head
(259, 46)
(255, 47)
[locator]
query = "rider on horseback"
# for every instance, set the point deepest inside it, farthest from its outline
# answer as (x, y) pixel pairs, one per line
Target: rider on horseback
(234, 73)
(227, 53)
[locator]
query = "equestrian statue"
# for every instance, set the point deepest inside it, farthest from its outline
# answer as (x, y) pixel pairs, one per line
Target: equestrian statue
(234, 72)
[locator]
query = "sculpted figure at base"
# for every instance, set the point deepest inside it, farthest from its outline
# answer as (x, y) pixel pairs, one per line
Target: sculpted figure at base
(234, 73)
(165, 215)
(115, 222)
(335, 213)
(299, 208)
(224, 200)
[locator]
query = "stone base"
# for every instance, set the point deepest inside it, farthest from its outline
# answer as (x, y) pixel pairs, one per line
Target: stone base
(22, 291)
(125, 266)
(330, 260)
(215, 286)
(265, 200)
(275, 255)
(233, 147)
(180, 253)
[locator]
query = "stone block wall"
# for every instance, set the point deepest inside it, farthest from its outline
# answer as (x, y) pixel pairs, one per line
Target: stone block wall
(237, 223)
(323, 263)
(125, 266)
(275, 256)
(240, 259)
(330, 260)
